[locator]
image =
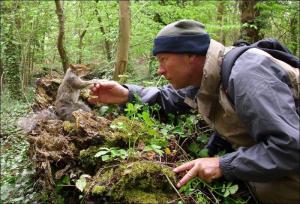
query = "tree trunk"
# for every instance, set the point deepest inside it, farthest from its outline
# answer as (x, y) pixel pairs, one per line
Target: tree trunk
(220, 20)
(250, 30)
(60, 38)
(124, 35)
(107, 44)
(27, 56)
(12, 53)
(80, 45)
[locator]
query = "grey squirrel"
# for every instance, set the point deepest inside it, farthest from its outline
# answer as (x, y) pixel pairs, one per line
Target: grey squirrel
(67, 98)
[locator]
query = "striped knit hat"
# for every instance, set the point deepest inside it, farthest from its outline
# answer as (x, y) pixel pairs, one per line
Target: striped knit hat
(184, 36)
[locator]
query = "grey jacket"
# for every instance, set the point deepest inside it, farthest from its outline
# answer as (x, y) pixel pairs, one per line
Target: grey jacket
(260, 90)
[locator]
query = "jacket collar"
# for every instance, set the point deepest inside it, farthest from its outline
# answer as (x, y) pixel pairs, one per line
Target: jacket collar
(209, 88)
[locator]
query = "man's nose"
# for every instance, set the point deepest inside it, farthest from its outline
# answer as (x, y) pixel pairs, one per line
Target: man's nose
(161, 70)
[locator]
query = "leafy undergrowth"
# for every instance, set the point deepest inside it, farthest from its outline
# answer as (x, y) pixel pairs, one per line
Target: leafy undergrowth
(105, 156)
(16, 169)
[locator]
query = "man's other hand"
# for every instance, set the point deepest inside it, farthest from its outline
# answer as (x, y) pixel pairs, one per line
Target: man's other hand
(205, 168)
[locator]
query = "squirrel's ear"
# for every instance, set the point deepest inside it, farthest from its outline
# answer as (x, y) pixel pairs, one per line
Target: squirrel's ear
(72, 66)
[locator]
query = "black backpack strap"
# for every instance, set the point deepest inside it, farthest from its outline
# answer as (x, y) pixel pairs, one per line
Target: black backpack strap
(278, 51)
(271, 46)
(228, 62)
(283, 56)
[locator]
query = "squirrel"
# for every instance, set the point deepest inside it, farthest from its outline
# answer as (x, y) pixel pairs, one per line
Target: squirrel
(67, 98)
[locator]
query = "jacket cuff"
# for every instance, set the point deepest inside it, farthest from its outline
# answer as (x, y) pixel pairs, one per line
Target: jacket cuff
(226, 167)
(131, 97)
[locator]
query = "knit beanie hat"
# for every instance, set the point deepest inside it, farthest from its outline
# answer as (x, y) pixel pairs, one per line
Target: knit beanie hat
(184, 36)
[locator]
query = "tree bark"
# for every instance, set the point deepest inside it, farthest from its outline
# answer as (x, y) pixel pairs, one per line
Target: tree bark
(124, 35)
(250, 30)
(60, 38)
(80, 45)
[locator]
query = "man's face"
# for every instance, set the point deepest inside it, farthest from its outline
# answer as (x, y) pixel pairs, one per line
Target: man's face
(176, 68)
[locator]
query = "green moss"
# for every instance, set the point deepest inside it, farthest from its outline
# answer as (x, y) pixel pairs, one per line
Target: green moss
(73, 148)
(98, 190)
(136, 182)
(143, 176)
(68, 126)
(137, 196)
(106, 176)
(87, 157)
(102, 183)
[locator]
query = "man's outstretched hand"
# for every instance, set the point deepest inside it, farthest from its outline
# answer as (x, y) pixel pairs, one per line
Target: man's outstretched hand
(108, 92)
(205, 168)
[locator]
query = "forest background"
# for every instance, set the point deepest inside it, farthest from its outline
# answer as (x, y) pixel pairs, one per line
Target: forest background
(116, 38)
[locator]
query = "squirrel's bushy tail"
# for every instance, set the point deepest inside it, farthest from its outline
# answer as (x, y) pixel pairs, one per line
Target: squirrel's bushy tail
(29, 122)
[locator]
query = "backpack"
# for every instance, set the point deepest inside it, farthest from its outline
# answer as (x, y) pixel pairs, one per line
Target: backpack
(271, 46)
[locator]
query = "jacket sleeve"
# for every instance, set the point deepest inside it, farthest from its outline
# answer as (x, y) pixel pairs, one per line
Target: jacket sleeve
(264, 102)
(169, 99)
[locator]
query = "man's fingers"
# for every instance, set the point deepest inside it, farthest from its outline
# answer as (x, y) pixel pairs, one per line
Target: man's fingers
(190, 174)
(93, 100)
(184, 167)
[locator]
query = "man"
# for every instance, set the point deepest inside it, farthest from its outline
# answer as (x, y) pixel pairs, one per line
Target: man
(263, 122)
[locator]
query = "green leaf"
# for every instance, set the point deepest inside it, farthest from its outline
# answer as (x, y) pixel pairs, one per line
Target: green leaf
(148, 148)
(203, 153)
(194, 148)
(114, 152)
(147, 119)
(104, 148)
(155, 146)
(158, 151)
(233, 189)
(105, 157)
(81, 183)
(101, 153)
(227, 193)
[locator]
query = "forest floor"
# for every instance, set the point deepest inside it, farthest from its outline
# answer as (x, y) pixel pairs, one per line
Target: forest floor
(104, 156)
(16, 168)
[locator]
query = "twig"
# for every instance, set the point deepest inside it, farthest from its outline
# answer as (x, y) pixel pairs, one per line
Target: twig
(216, 200)
(184, 152)
(158, 80)
(165, 163)
(184, 141)
(173, 201)
(174, 187)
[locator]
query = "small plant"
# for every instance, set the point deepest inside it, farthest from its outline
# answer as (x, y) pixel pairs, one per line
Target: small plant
(196, 150)
(81, 182)
(211, 193)
(108, 154)
(153, 147)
